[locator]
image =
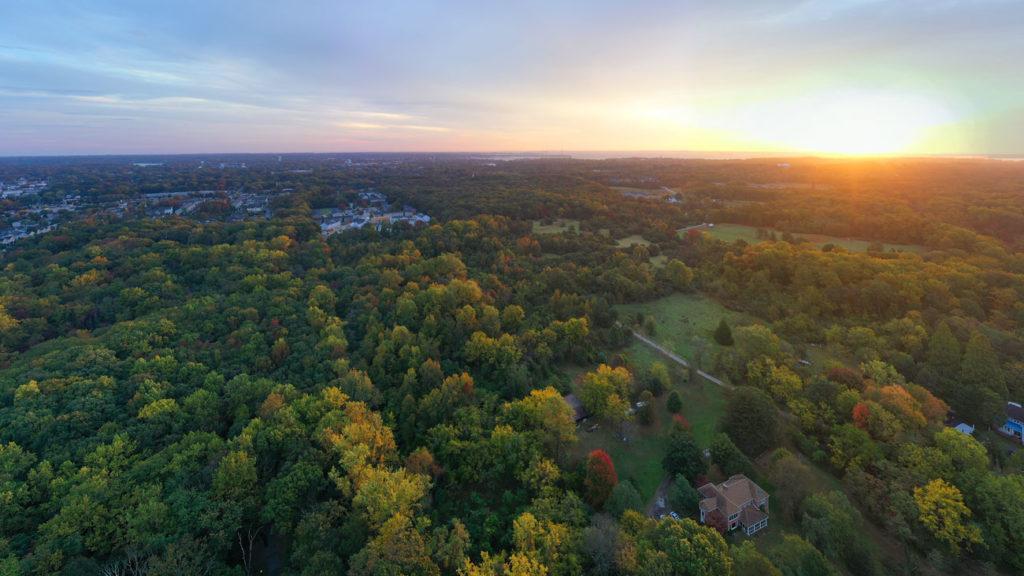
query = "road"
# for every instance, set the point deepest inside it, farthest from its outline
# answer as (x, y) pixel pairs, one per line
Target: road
(677, 359)
(694, 227)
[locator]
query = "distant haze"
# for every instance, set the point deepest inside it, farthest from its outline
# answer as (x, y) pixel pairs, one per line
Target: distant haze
(769, 76)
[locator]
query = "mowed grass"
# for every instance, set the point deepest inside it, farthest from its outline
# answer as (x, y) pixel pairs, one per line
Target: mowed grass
(680, 318)
(639, 458)
(733, 232)
(557, 226)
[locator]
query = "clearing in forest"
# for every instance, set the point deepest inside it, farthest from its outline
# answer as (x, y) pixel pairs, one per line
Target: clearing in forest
(555, 226)
(733, 232)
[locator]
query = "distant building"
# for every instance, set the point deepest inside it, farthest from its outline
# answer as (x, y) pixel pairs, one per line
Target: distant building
(741, 502)
(1014, 425)
(964, 428)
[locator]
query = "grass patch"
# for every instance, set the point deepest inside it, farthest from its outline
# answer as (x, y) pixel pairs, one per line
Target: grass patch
(639, 459)
(733, 232)
(556, 226)
(680, 318)
(630, 241)
(659, 261)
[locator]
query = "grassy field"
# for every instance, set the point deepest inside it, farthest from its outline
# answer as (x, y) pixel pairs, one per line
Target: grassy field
(630, 241)
(680, 318)
(557, 226)
(733, 232)
(639, 458)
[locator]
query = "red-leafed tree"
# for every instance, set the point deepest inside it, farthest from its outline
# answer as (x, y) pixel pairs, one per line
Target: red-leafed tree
(717, 521)
(601, 478)
(860, 415)
(680, 423)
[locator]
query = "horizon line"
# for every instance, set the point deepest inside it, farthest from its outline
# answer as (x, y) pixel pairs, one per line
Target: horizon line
(570, 154)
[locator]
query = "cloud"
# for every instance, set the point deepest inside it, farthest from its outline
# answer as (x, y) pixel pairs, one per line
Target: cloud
(445, 72)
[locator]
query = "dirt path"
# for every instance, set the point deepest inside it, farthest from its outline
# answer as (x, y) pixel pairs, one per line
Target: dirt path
(677, 359)
(658, 505)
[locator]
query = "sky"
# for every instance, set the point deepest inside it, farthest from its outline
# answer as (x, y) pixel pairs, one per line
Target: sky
(823, 76)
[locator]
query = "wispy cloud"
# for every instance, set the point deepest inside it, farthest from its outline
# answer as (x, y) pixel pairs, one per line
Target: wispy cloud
(460, 73)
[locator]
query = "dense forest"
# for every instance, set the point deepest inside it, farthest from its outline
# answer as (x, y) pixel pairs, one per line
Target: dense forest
(195, 396)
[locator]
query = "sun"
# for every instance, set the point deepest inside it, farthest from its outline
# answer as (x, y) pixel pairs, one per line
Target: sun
(847, 123)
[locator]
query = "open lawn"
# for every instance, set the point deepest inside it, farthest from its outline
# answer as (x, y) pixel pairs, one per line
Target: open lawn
(680, 318)
(556, 226)
(733, 232)
(639, 458)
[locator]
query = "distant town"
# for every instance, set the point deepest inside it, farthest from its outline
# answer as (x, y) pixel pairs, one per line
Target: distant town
(30, 206)
(373, 210)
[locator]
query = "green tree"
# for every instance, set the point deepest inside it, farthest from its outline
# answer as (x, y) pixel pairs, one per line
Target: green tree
(645, 408)
(399, 548)
(831, 523)
(982, 389)
(681, 547)
(723, 334)
(679, 275)
(728, 457)
(999, 498)
(751, 420)
(545, 413)
(684, 457)
(795, 556)
(794, 481)
(747, 561)
(944, 356)
(682, 496)
(603, 391)
(674, 403)
(658, 378)
(624, 497)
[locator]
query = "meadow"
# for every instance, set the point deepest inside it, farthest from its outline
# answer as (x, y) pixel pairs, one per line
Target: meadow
(733, 232)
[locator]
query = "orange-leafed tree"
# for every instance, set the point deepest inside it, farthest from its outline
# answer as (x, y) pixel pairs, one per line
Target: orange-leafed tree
(860, 415)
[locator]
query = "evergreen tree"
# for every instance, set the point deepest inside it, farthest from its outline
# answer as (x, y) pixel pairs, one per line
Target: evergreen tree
(982, 388)
(751, 420)
(674, 403)
(683, 497)
(723, 334)
(944, 353)
(684, 457)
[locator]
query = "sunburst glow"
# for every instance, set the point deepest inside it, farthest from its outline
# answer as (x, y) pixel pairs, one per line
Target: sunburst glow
(845, 123)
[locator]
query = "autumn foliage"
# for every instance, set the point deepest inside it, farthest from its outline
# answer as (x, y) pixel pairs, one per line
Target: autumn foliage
(601, 478)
